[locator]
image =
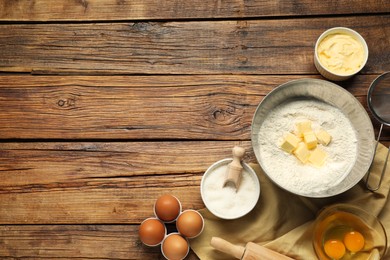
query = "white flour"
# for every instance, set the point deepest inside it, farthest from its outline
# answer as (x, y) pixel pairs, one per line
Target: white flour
(289, 172)
(225, 201)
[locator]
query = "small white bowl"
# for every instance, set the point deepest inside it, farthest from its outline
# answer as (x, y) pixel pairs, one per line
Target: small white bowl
(322, 68)
(217, 166)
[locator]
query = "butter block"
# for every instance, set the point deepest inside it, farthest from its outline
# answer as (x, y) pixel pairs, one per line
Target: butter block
(302, 127)
(323, 137)
(317, 157)
(310, 139)
(302, 153)
(290, 142)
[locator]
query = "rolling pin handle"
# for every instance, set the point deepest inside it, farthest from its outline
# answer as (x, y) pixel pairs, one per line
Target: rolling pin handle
(227, 247)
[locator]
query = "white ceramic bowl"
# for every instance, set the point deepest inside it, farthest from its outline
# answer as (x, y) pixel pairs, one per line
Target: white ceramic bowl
(335, 96)
(322, 68)
(253, 198)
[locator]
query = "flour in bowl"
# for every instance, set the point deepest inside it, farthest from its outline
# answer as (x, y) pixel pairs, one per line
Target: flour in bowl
(290, 173)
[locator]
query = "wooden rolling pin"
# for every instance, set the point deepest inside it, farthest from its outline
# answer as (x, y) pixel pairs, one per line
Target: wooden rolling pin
(251, 251)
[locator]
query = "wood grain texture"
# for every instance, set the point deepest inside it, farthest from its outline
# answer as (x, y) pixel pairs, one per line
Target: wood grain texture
(132, 99)
(275, 46)
(218, 107)
(63, 10)
(67, 183)
(75, 242)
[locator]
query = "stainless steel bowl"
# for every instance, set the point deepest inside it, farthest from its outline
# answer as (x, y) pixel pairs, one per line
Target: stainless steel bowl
(336, 96)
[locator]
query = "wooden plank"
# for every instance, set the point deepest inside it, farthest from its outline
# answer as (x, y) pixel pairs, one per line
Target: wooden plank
(218, 107)
(62, 10)
(102, 183)
(106, 183)
(278, 46)
(75, 242)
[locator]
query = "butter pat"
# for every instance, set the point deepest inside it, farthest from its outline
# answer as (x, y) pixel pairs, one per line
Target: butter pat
(290, 142)
(304, 143)
(303, 127)
(310, 139)
(323, 137)
(302, 153)
(317, 157)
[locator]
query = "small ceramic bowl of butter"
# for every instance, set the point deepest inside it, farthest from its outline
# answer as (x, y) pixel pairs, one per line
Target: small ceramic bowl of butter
(340, 53)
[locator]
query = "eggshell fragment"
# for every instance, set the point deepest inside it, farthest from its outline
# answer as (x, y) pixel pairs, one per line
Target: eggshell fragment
(190, 223)
(167, 208)
(175, 247)
(152, 231)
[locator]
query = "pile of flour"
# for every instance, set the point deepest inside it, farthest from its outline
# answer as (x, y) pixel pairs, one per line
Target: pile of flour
(285, 169)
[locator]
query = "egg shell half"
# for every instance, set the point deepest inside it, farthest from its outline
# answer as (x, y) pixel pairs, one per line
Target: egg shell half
(175, 247)
(190, 223)
(167, 208)
(152, 232)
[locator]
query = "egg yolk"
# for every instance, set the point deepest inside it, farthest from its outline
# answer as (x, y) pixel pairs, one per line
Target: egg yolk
(335, 249)
(354, 241)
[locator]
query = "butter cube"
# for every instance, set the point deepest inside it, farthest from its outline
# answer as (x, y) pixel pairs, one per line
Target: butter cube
(317, 157)
(290, 142)
(303, 127)
(302, 153)
(323, 137)
(310, 139)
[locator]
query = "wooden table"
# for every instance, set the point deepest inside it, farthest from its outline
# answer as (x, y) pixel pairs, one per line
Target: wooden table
(105, 105)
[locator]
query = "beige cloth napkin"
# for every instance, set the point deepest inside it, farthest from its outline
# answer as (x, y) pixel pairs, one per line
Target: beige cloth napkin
(283, 221)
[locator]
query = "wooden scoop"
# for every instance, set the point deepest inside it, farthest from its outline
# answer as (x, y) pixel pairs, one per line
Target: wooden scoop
(251, 251)
(235, 168)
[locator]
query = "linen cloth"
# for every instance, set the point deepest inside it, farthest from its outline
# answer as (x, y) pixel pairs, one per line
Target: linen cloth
(283, 221)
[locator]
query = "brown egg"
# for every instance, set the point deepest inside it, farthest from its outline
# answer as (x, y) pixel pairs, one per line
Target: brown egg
(189, 223)
(152, 231)
(167, 208)
(175, 247)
